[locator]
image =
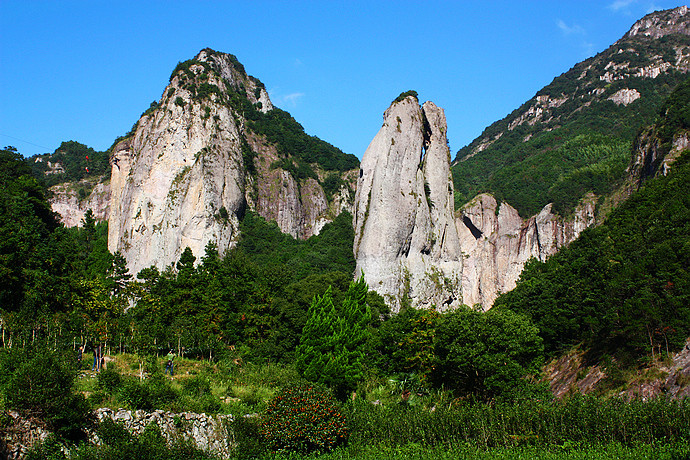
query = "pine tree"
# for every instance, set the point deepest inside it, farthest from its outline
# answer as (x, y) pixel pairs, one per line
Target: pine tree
(331, 349)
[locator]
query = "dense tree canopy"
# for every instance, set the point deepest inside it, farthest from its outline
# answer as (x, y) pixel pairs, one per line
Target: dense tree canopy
(622, 287)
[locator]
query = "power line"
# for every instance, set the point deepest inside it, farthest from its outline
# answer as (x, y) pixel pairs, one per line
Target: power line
(26, 142)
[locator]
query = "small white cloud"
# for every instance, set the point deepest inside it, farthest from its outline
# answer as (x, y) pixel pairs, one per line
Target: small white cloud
(292, 98)
(284, 99)
(569, 30)
(652, 8)
(618, 5)
(298, 62)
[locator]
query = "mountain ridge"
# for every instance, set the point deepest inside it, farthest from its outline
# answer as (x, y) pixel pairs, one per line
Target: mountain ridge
(613, 94)
(202, 155)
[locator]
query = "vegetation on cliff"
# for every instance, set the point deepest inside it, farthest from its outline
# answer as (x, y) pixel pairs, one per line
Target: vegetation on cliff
(297, 149)
(623, 287)
(260, 329)
(71, 162)
(526, 159)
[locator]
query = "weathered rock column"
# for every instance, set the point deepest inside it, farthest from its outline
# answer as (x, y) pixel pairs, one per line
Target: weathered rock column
(405, 238)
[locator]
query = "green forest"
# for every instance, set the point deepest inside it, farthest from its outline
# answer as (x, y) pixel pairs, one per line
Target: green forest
(581, 144)
(276, 321)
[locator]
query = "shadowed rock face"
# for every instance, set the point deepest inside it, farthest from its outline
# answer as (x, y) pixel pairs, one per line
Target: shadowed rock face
(405, 238)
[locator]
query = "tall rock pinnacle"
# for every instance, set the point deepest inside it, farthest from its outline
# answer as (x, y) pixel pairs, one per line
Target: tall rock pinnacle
(193, 164)
(406, 242)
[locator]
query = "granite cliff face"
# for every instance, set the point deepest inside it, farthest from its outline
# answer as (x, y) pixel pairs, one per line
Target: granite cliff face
(191, 167)
(405, 238)
(65, 201)
(496, 243)
(413, 249)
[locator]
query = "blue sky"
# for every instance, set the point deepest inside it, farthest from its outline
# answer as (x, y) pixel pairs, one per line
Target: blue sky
(86, 70)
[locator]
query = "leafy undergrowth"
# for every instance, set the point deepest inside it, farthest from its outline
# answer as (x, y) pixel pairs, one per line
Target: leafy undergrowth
(227, 386)
(386, 419)
(658, 451)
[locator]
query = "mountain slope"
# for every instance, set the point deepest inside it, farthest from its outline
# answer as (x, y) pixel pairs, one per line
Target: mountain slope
(623, 288)
(574, 135)
(211, 147)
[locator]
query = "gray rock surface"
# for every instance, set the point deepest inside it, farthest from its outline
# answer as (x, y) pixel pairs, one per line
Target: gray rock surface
(405, 238)
(180, 180)
(66, 203)
(413, 249)
(210, 433)
(496, 243)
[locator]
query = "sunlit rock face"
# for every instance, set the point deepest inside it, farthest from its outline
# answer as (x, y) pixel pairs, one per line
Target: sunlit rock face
(184, 177)
(496, 243)
(405, 238)
(66, 202)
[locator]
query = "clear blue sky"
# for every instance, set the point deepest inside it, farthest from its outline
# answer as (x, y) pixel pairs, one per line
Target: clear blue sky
(86, 70)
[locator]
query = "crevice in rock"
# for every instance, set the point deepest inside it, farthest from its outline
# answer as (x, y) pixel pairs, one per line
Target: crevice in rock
(476, 233)
(426, 133)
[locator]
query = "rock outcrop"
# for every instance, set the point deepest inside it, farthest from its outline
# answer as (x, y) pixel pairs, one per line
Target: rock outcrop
(210, 433)
(571, 373)
(662, 23)
(405, 238)
(192, 166)
(65, 201)
(496, 243)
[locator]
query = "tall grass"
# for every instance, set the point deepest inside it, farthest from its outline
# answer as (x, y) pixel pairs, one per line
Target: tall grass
(657, 451)
(579, 419)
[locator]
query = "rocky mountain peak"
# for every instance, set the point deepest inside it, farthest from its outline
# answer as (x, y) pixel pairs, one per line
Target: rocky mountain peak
(661, 23)
(201, 156)
(216, 75)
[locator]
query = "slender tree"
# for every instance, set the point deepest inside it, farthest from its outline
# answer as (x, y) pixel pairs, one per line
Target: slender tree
(331, 349)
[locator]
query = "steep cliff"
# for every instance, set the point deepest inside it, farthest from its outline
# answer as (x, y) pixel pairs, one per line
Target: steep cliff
(71, 200)
(197, 158)
(496, 243)
(405, 238)
(659, 145)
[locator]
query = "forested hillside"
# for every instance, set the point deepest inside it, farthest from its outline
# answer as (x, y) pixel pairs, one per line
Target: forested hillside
(622, 288)
(574, 135)
(70, 162)
(311, 363)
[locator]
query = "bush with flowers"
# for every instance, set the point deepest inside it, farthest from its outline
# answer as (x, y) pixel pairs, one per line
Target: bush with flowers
(303, 418)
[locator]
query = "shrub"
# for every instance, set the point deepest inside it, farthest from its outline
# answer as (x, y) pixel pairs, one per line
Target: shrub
(117, 442)
(248, 438)
(303, 419)
(405, 94)
(154, 393)
(109, 380)
(197, 396)
(136, 395)
(39, 384)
